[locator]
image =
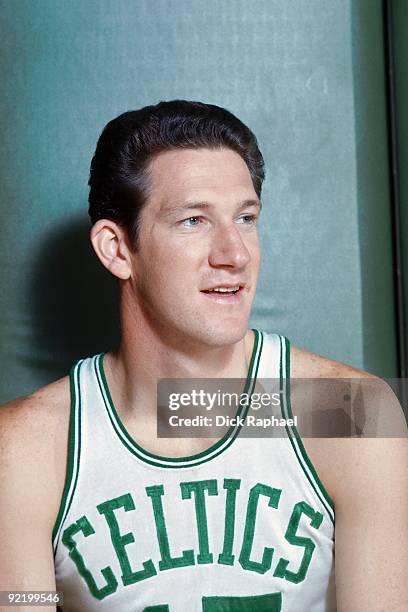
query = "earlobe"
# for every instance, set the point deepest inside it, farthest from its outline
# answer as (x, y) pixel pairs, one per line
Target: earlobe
(108, 241)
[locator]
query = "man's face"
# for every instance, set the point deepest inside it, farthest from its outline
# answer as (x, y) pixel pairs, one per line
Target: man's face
(198, 237)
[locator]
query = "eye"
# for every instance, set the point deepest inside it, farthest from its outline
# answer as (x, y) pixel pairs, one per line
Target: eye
(247, 219)
(191, 222)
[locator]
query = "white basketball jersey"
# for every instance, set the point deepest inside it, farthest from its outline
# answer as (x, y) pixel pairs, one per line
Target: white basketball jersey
(245, 525)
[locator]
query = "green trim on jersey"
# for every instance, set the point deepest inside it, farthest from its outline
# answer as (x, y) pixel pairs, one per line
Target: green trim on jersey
(192, 460)
(295, 438)
(74, 452)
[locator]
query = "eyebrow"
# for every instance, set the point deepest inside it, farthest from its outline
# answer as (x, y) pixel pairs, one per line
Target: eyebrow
(200, 205)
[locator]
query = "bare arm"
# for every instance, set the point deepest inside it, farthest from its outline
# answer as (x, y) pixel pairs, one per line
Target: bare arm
(368, 482)
(31, 477)
(371, 539)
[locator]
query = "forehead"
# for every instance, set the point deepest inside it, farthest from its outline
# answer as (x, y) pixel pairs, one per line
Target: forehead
(199, 173)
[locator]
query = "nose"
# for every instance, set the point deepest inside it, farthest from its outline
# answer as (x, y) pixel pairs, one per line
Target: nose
(228, 249)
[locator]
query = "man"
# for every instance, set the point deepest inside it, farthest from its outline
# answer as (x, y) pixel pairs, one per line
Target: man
(140, 522)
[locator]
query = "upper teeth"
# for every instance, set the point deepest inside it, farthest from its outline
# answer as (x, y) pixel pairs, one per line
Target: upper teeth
(225, 289)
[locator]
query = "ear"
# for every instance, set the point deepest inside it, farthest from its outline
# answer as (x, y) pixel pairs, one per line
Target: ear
(109, 241)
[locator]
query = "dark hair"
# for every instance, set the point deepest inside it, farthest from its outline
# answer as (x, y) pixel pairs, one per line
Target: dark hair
(118, 177)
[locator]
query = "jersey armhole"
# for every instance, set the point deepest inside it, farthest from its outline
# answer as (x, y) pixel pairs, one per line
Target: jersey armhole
(293, 434)
(74, 444)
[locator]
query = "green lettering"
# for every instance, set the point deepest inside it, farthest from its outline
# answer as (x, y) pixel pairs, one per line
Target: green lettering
(198, 488)
(281, 570)
(167, 561)
(244, 557)
(84, 526)
(231, 485)
(121, 541)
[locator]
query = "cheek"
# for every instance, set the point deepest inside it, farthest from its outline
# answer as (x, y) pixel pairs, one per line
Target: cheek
(257, 258)
(179, 253)
(169, 266)
(254, 250)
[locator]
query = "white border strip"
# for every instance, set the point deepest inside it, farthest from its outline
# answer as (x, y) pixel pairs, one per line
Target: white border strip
(299, 454)
(74, 476)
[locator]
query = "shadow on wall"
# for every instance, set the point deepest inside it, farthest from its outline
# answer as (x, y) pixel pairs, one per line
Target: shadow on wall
(73, 301)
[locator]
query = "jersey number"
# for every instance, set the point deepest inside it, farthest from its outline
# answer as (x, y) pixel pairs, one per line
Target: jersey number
(255, 603)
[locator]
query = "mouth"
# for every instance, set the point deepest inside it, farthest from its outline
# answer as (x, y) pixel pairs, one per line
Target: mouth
(223, 294)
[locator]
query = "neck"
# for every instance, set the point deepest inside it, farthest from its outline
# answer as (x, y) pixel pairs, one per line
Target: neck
(145, 355)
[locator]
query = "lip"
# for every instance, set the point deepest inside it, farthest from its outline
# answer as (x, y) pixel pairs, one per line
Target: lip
(226, 285)
(225, 298)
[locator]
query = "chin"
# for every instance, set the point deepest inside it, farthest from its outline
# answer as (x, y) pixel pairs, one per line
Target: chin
(222, 333)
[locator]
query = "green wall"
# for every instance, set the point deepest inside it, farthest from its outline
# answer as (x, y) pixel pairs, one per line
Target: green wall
(373, 189)
(400, 46)
(306, 75)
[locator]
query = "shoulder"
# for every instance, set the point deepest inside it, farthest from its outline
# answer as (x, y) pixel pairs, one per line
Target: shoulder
(355, 442)
(40, 413)
(33, 447)
(33, 458)
(305, 364)
(368, 397)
